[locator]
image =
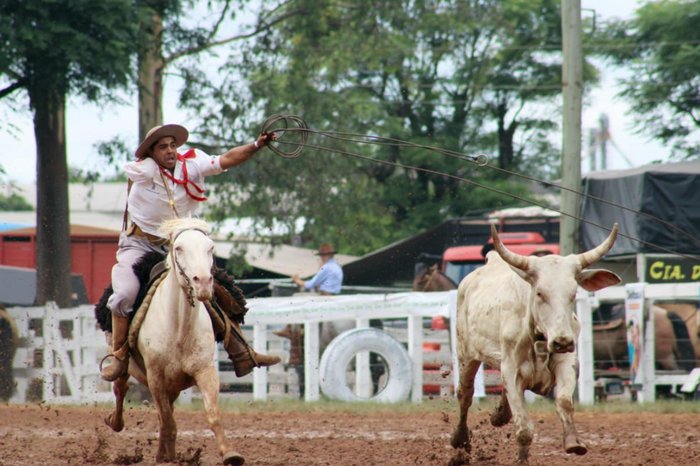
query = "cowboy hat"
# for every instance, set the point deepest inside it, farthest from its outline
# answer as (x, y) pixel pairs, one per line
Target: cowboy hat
(326, 249)
(178, 132)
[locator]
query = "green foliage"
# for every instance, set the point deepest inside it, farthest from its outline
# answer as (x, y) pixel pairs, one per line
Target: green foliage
(661, 47)
(53, 49)
(466, 76)
(14, 202)
(72, 46)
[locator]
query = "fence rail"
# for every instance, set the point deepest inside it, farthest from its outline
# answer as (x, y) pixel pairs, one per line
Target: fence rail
(57, 359)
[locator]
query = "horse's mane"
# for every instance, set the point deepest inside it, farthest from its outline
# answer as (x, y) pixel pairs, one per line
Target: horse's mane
(170, 227)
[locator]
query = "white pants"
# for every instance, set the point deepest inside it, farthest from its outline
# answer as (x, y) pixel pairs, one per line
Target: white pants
(124, 282)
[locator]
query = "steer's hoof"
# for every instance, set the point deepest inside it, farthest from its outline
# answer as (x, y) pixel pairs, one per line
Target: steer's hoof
(233, 458)
(116, 425)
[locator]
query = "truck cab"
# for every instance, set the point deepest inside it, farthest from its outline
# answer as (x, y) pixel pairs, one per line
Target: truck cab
(459, 261)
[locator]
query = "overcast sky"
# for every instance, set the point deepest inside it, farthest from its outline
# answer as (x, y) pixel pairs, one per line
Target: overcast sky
(88, 124)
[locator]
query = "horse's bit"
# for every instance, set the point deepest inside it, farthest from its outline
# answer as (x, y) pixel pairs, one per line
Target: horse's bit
(180, 269)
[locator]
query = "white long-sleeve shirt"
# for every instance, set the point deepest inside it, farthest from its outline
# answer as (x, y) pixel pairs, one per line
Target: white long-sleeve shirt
(149, 203)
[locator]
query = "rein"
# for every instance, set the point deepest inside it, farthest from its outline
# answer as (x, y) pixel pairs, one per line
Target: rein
(189, 290)
(430, 280)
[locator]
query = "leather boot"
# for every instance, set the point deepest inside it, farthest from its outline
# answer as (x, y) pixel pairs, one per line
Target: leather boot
(243, 357)
(120, 350)
(286, 332)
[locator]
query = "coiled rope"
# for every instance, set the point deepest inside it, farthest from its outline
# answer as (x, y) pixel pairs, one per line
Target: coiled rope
(282, 124)
(289, 124)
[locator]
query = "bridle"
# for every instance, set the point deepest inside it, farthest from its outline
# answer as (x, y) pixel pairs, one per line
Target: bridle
(430, 278)
(189, 289)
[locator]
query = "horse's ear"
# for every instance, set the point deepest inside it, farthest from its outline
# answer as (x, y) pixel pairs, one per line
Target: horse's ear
(419, 269)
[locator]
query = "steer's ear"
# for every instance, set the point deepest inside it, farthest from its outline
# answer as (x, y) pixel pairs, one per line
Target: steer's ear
(597, 279)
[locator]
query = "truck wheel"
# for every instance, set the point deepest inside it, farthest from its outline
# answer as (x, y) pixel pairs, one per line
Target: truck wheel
(343, 349)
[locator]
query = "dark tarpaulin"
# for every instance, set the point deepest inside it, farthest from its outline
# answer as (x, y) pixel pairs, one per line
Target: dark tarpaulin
(395, 263)
(663, 193)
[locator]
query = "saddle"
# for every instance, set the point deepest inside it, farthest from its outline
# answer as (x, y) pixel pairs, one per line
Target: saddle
(228, 298)
(608, 317)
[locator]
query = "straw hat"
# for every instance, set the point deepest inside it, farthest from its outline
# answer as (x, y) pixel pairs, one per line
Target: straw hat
(178, 132)
(326, 249)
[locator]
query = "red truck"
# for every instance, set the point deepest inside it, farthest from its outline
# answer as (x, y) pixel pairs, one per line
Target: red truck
(459, 261)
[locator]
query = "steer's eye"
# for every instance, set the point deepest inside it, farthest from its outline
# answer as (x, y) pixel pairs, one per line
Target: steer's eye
(541, 296)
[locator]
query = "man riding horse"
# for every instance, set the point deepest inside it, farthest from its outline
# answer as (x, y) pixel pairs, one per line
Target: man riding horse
(164, 184)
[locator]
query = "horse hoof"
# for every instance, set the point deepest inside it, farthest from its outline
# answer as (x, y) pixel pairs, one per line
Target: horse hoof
(115, 426)
(233, 458)
(500, 417)
(573, 446)
(577, 449)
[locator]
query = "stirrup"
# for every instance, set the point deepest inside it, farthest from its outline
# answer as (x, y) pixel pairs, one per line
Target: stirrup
(124, 371)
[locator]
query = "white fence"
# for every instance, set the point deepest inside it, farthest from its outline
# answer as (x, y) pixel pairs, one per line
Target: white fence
(60, 349)
(58, 355)
(57, 360)
(310, 311)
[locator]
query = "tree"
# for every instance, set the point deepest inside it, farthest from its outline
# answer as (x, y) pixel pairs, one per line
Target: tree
(660, 46)
(49, 50)
(166, 38)
(466, 76)
(14, 202)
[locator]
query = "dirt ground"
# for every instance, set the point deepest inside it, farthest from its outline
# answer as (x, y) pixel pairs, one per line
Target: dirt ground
(43, 435)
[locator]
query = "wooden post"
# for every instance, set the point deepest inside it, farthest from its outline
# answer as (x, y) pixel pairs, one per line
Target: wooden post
(572, 90)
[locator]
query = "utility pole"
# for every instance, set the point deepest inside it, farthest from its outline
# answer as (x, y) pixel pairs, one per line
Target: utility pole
(604, 132)
(572, 90)
(592, 150)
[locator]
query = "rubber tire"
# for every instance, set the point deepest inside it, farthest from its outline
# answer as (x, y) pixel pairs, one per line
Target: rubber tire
(345, 346)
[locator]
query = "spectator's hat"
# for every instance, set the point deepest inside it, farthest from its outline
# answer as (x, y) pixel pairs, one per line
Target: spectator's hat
(326, 249)
(178, 132)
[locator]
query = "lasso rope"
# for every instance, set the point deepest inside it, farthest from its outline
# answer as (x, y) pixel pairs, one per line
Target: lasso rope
(291, 123)
(271, 125)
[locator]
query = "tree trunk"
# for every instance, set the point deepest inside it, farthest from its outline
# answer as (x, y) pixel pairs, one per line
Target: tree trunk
(53, 247)
(151, 65)
(506, 153)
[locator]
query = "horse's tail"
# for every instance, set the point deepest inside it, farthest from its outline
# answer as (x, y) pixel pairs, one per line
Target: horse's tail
(685, 352)
(102, 312)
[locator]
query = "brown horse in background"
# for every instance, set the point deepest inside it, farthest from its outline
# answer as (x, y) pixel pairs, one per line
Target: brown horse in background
(430, 278)
(674, 345)
(688, 312)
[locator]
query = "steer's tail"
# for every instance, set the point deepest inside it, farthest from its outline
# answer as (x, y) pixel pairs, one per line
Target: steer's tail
(684, 352)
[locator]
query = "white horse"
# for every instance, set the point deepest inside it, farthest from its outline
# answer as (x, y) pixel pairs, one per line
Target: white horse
(176, 341)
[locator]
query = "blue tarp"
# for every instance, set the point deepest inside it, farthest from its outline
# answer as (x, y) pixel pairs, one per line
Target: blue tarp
(4, 226)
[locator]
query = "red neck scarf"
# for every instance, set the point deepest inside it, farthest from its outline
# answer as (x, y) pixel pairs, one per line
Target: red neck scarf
(185, 181)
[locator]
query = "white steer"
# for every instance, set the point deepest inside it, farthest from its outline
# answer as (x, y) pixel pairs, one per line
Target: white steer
(516, 314)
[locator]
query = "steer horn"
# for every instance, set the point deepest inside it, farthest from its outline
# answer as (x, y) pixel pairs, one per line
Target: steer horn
(516, 260)
(592, 256)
